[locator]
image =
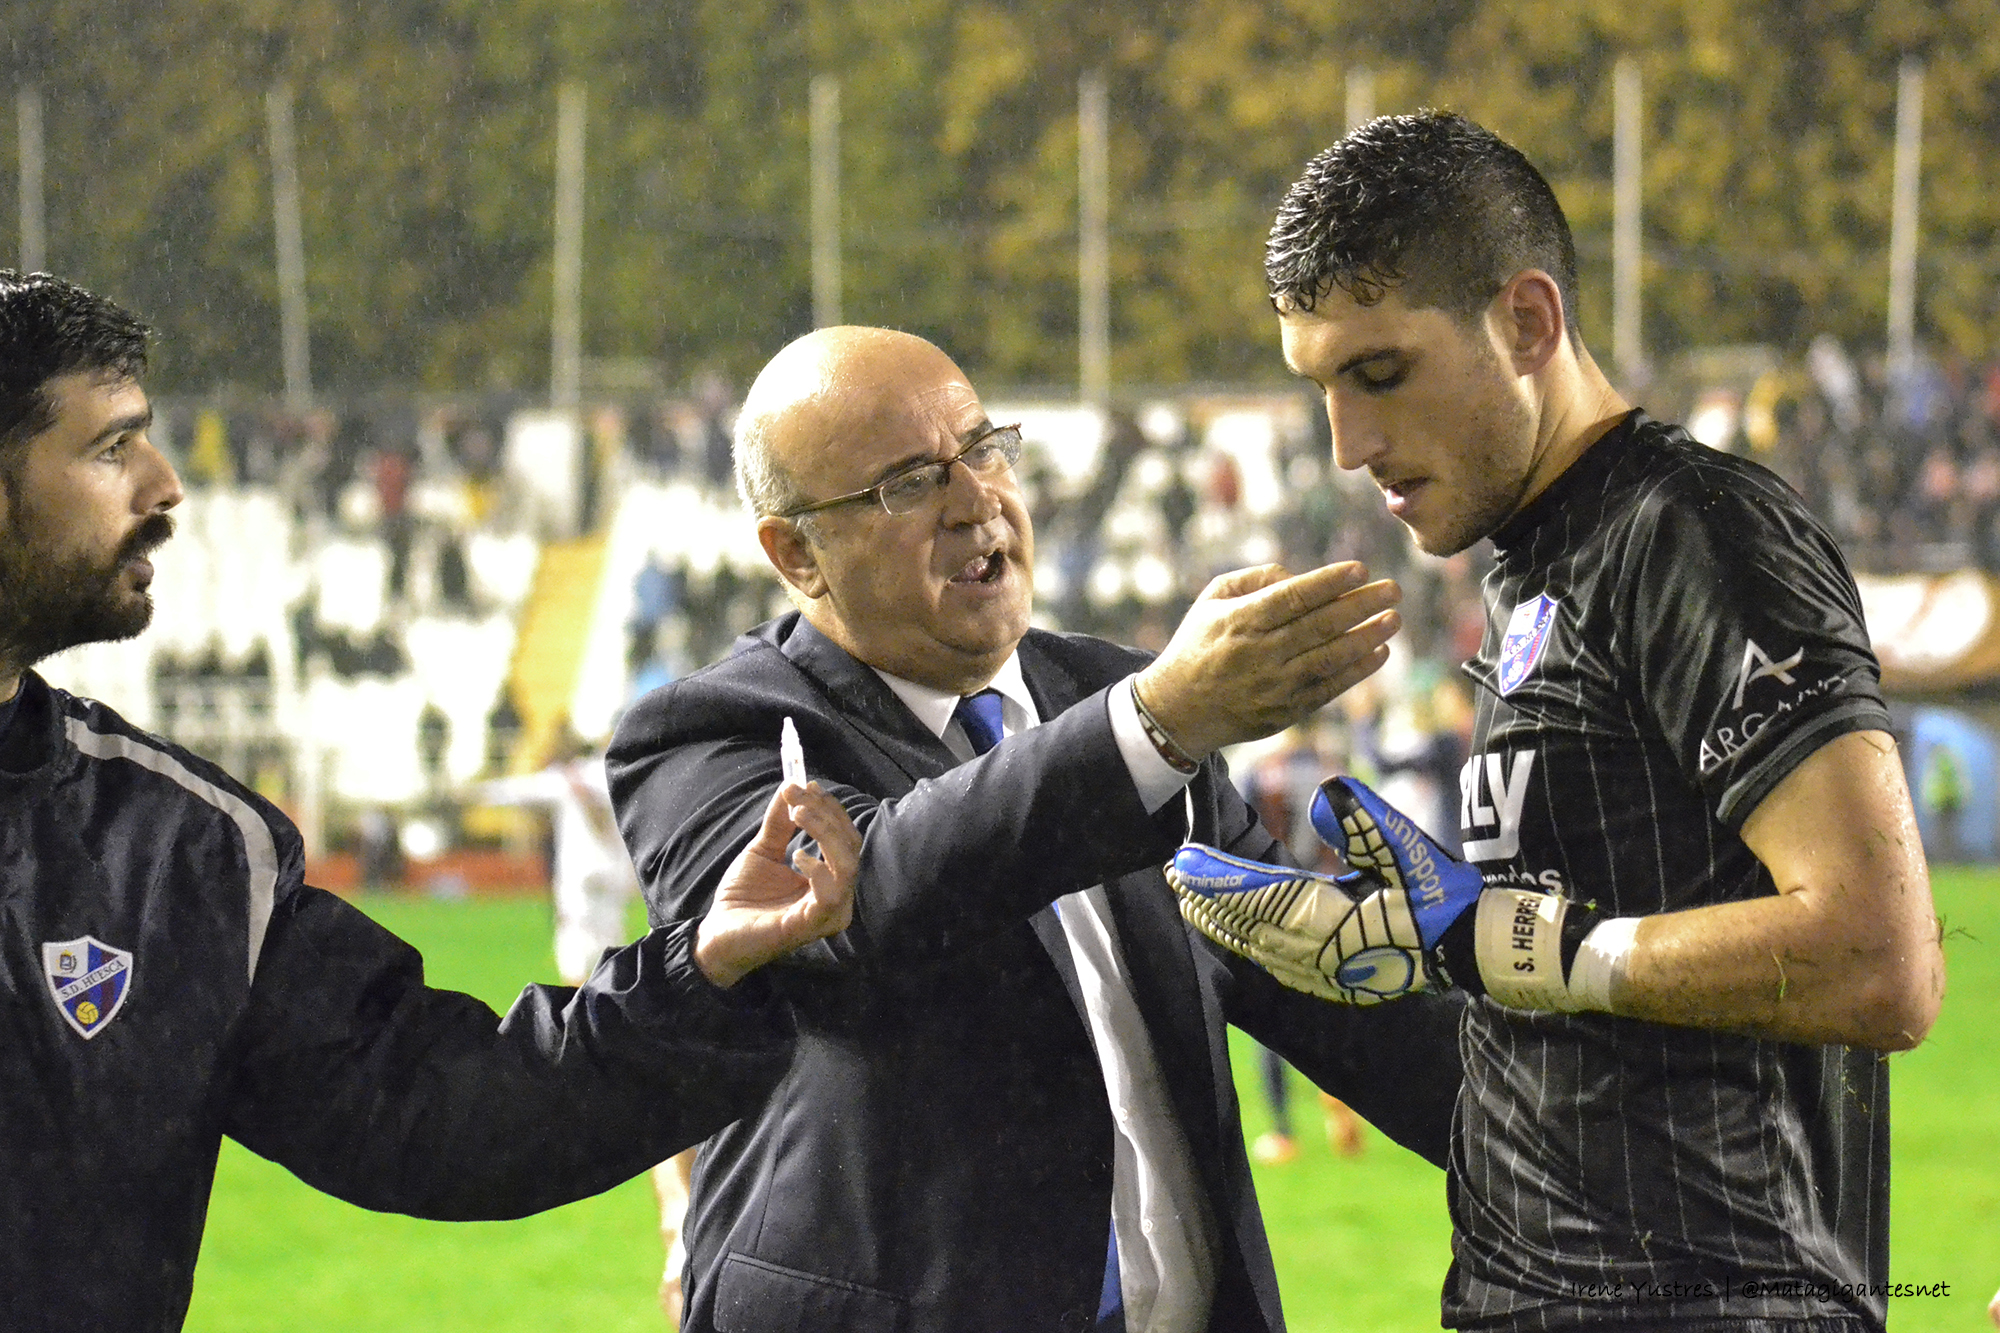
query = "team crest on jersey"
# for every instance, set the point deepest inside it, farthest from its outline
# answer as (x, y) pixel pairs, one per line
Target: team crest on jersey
(1527, 634)
(89, 980)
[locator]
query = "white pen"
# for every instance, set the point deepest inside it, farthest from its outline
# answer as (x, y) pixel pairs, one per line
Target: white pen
(791, 754)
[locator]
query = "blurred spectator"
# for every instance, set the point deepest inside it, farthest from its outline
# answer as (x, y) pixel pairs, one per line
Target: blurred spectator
(1942, 790)
(454, 576)
(1416, 742)
(1280, 787)
(381, 850)
(433, 738)
(391, 470)
(1904, 469)
(353, 437)
(1077, 532)
(592, 883)
(656, 634)
(1177, 506)
(654, 441)
(713, 401)
(503, 733)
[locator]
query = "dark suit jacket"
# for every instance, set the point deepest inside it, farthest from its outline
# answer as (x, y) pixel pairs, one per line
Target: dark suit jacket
(938, 1158)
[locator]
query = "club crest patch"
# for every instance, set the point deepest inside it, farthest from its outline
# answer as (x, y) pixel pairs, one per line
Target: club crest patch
(1527, 634)
(89, 980)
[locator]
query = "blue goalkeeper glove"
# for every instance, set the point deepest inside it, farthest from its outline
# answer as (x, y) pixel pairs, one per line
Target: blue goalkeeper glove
(1367, 936)
(1408, 917)
(1334, 938)
(1382, 843)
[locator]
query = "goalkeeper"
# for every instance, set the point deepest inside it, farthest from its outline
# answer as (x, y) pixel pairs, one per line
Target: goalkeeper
(1695, 905)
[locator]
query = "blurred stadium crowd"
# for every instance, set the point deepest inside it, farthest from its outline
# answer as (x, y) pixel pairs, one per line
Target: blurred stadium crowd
(375, 603)
(1903, 465)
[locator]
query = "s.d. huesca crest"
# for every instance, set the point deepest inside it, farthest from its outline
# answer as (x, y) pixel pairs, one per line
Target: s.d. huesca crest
(89, 981)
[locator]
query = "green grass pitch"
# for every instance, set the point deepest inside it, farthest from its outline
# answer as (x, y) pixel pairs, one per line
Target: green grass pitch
(1361, 1245)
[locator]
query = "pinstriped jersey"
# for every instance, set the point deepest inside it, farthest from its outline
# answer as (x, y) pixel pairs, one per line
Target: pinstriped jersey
(1669, 632)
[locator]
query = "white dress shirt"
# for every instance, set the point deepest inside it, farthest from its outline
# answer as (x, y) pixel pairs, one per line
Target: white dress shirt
(1167, 1238)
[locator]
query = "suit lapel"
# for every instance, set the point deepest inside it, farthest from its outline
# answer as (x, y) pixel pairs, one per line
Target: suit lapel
(877, 715)
(1048, 929)
(1158, 955)
(1054, 689)
(866, 703)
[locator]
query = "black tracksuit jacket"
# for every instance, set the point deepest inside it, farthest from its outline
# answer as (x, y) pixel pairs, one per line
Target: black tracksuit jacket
(166, 977)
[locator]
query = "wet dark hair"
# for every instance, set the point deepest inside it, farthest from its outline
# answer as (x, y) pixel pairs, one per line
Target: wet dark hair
(1430, 203)
(50, 327)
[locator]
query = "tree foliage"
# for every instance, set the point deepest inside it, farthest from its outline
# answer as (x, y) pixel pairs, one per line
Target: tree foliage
(426, 142)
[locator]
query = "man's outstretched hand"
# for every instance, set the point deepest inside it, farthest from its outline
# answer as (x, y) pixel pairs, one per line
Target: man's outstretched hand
(1260, 650)
(771, 901)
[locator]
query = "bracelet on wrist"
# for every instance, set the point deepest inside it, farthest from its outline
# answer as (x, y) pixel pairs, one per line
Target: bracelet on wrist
(1164, 745)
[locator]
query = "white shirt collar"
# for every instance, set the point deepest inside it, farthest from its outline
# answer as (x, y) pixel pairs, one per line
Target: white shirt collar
(935, 707)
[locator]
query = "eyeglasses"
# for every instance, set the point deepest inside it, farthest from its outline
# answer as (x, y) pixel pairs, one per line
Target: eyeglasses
(988, 456)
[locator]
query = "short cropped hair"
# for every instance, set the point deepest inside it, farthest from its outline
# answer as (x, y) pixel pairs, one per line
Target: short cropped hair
(50, 327)
(762, 485)
(762, 482)
(1430, 203)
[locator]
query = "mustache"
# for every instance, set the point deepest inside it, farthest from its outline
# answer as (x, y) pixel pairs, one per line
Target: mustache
(154, 531)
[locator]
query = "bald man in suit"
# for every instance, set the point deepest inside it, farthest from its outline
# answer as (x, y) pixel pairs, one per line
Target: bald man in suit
(1011, 1107)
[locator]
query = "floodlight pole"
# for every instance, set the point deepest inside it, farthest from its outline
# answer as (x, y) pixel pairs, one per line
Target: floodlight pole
(1903, 216)
(826, 200)
(34, 217)
(293, 334)
(1627, 283)
(1093, 171)
(1360, 95)
(566, 324)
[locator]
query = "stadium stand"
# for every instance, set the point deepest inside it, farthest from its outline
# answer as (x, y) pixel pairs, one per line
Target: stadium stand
(371, 606)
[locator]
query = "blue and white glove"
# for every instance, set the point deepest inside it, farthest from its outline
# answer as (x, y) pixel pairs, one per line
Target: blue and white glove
(1409, 916)
(1340, 939)
(1385, 845)
(1368, 936)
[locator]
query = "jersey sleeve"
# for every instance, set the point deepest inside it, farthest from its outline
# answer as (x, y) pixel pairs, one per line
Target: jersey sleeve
(1744, 631)
(397, 1096)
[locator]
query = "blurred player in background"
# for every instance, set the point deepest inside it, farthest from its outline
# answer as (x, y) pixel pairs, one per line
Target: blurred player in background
(169, 978)
(592, 886)
(1700, 911)
(590, 877)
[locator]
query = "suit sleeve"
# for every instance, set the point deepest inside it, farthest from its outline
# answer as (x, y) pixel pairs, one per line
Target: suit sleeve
(378, 1089)
(1397, 1064)
(950, 862)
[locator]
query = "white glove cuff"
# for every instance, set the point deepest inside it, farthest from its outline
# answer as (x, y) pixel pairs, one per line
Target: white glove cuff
(1600, 961)
(1517, 939)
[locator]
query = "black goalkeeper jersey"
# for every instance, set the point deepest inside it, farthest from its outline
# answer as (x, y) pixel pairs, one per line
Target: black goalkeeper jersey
(1669, 633)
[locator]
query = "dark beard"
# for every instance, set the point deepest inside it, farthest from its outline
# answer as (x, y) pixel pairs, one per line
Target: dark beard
(49, 604)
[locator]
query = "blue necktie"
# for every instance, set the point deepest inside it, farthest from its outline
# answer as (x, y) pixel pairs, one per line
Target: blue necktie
(979, 715)
(1111, 1304)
